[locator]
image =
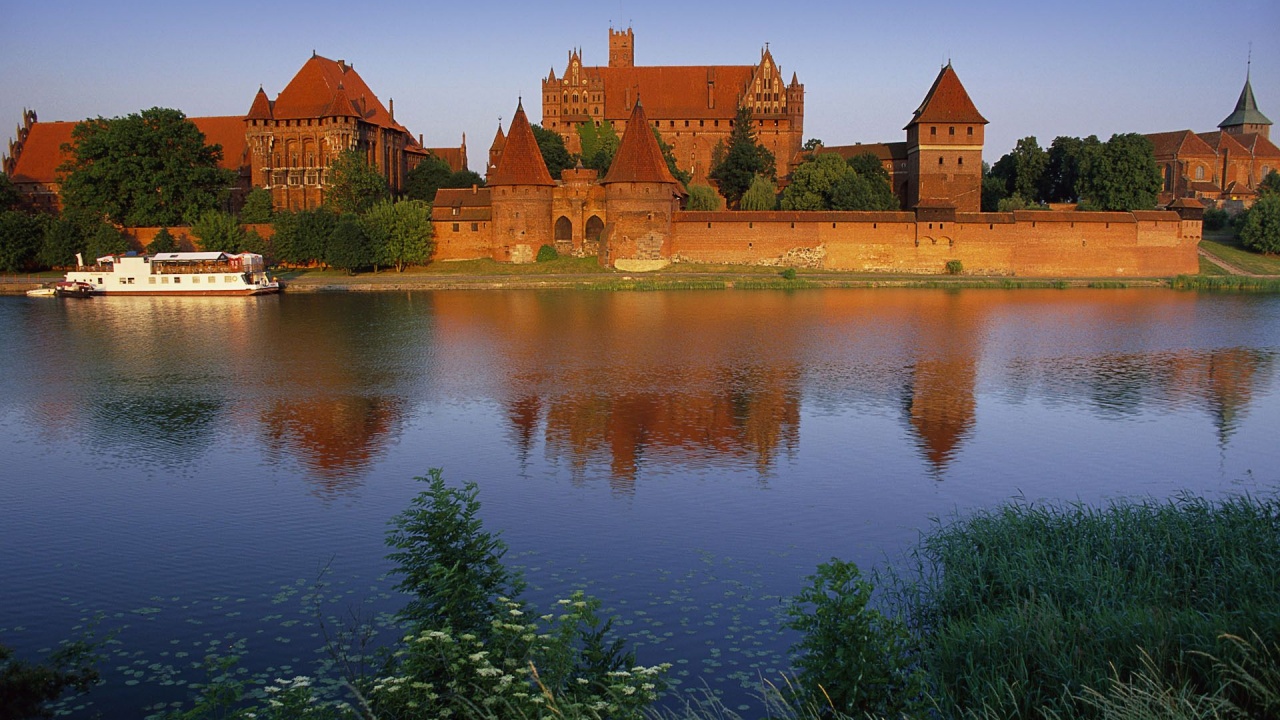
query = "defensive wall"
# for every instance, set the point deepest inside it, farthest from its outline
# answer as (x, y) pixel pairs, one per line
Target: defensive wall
(1022, 243)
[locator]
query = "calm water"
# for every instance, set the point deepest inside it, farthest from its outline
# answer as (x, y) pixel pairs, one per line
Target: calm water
(189, 469)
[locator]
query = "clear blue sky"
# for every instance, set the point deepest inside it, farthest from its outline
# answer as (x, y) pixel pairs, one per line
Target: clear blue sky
(1032, 69)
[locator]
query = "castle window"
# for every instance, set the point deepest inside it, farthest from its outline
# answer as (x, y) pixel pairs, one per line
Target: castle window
(455, 211)
(686, 123)
(960, 161)
(933, 130)
(969, 130)
(939, 161)
(475, 227)
(951, 131)
(1199, 172)
(455, 227)
(672, 123)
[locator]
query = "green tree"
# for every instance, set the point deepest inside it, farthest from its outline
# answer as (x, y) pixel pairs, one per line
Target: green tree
(1120, 175)
(812, 182)
(554, 153)
(993, 190)
(868, 189)
(811, 144)
(1062, 174)
(349, 247)
(668, 154)
(254, 242)
(1261, 229)
(63, 238)
(851, 657)
(146, 169)
(9, 197)
(762, 195)
(20, 237)
(1023, 169)
(354, 185)
(105, 240)
(449, 565)
(257, 208)
(399, 233)
(302, 237)
(422, 182)
(163, 242)
(703, 197)
(1270, 185)
(738, 163)
(27, 689)
(599, 145)
(218, 231)
(464, 179)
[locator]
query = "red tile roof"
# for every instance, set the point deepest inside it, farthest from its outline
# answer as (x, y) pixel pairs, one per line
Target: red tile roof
(456, 157)
(1180, 143)
(639, 159)
(1258, 145)
(673, 91)
(261, 108)
(1217, 141)
(521, 162)
(947, 101)
(882, 151)
(329, 88)
(42, 152)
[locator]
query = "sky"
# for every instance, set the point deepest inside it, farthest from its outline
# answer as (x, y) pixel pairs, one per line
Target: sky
(1031, 68)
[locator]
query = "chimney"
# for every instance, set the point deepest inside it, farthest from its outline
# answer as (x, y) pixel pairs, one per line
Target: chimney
(391, 108)
(420, 139)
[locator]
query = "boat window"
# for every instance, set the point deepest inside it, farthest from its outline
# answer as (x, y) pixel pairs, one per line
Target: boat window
(177, 280)
(195, 279)
(151, 280)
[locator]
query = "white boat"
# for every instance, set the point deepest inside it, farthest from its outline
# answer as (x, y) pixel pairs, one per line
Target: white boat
(43, 291)
(178, 273)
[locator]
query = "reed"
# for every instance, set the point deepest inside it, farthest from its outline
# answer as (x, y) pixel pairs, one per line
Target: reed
(1228, 283)
(1026, 607)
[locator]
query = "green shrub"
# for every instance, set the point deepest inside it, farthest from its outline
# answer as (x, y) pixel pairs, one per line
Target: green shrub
(789, 273)
(851, 656)
(954, 267)
(547, 252)
(1215, 219)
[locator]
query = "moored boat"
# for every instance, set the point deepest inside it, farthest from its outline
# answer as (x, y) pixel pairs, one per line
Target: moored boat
(43, 291)
(73, 289)
(191, 273)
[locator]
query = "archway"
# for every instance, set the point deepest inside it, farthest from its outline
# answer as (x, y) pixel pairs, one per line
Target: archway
(564, 230)
(595, 226)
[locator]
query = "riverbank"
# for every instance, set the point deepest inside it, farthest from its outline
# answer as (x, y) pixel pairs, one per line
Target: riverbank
(1219, 259)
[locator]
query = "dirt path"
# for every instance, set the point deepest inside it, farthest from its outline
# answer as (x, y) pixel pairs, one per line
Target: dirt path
(1226, 265)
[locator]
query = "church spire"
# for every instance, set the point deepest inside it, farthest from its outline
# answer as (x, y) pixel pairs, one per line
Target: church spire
(1246, 113)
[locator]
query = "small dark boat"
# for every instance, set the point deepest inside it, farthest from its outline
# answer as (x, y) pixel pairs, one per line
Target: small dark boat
(73, 289)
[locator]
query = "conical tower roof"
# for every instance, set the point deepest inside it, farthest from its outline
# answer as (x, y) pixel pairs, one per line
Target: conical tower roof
(521, 162)
(261, 108)
(639, 159)
(947, 102)
(1246, 112)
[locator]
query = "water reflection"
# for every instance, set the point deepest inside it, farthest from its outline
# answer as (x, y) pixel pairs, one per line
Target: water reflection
(608, 385)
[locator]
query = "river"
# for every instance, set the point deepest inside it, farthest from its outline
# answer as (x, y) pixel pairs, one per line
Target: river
(211, 475)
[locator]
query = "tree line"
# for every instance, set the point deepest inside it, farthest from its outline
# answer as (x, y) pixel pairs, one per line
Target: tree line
(1118, 175)
(154, 169)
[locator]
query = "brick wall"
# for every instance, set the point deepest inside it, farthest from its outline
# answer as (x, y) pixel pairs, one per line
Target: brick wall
(1027, 244)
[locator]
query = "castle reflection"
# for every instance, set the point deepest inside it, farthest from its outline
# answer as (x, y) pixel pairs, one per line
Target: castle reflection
(609, 384)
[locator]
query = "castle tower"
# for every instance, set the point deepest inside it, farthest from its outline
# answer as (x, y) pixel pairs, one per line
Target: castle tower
(944, 147)
(521, 188)
(1246, 119)
(495, 150)
(622, 48)
(640, 197)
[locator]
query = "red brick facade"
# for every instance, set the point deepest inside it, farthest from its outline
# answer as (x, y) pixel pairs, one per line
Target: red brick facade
(693, 106)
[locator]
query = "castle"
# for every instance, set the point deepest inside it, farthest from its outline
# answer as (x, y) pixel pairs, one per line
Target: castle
(692, 106)
(1220, 168)
(631, 218)
(284, 146)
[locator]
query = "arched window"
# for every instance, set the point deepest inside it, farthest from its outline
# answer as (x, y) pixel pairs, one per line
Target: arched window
(1168, 178)
(564, 230)
(595, 226)
(1199, 172)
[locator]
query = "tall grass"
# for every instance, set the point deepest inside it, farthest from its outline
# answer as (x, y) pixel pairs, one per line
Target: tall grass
(1237, 283)
(1024, 608)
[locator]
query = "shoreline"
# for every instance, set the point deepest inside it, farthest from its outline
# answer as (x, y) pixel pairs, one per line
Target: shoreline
(396, 282)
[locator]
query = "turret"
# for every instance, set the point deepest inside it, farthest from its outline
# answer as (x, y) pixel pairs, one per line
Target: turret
(521, 190)
(1246, 118)
(640, 195)
(944, 148)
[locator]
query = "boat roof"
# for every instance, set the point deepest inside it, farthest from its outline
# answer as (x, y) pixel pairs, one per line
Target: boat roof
(192, 256)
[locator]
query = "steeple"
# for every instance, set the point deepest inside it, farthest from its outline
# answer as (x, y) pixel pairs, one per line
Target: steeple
(521, 162)
(261, 108)
(1246, 118)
